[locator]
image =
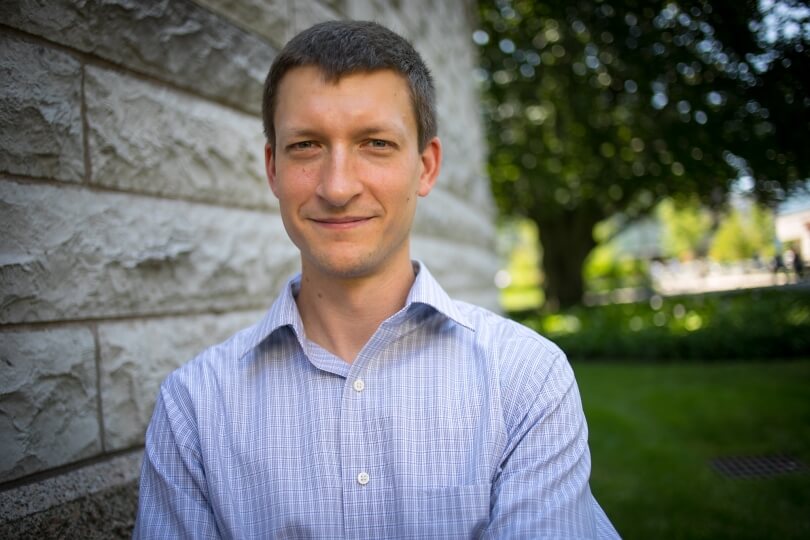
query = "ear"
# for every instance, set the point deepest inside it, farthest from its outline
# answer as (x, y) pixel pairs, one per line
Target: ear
(270, 168)
(431, 165)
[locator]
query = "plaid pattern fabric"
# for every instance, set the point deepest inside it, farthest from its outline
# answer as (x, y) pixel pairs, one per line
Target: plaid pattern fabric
(452, 422)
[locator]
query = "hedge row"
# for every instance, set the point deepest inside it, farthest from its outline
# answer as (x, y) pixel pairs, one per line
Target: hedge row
(752, 324)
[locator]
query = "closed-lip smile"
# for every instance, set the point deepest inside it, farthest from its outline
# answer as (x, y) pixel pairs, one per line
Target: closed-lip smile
(343, 222)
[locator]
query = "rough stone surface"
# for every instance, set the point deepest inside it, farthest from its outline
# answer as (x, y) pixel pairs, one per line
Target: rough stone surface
(173, 40)
(48, 406)
(78, 254)
(447, 44)
(445, 215)
(152, 139)
(36, 497)
(137, 355)
(270, 19)
(467, 272)
(40, 111)
(306, 14)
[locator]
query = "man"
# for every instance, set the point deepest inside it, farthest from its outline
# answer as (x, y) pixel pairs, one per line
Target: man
(366, 403)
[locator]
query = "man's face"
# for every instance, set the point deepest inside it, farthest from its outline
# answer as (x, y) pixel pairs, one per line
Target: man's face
(347, 170)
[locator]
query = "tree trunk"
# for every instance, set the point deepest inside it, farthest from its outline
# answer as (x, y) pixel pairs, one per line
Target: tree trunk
(567, 242)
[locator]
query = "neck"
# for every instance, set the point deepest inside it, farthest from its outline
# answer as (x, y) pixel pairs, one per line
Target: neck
(341, 314)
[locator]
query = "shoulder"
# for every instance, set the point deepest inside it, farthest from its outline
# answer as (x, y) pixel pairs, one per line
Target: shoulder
(528, 366)
(202, 374)
(511, 340)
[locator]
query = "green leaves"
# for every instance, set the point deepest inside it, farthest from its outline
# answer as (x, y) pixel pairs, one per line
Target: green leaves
(610, 106)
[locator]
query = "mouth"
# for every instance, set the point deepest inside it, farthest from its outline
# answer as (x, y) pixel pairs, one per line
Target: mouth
(343, 222)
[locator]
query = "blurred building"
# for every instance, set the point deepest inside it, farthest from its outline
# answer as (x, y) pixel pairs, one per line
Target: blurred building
(641, 240)
(793, 226)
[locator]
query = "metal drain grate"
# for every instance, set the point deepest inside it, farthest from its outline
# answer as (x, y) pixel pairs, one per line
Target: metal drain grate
(758, 466)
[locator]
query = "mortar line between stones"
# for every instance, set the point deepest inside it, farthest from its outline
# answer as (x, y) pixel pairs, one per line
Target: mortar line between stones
(67, 468)
(41, 325)
(99, 188)
(99, 401)
(246, 29)
(88, 172)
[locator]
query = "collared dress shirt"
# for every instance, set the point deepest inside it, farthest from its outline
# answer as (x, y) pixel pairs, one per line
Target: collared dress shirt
(452, 422)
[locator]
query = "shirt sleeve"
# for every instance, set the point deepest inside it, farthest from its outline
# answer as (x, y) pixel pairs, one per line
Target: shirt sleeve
(542, 488)
(173, 500)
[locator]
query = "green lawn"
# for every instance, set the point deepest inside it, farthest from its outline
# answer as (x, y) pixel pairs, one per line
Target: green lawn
(654, 428)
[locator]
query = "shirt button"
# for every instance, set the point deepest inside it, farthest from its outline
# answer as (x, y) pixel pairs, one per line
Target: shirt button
(359, 385)
(363, 478)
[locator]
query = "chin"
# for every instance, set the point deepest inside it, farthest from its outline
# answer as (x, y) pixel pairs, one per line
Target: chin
(347, 267)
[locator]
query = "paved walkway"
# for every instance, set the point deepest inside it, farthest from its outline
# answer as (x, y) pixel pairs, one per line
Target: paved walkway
(667, 283)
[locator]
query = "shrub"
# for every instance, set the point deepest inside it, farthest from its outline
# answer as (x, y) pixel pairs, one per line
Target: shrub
(759, 323)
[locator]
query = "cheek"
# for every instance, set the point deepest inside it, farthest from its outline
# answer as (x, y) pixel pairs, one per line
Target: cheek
(401, 181)
(296, 183)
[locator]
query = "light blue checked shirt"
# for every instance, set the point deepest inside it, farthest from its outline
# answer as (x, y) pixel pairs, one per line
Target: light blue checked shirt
(452, 422)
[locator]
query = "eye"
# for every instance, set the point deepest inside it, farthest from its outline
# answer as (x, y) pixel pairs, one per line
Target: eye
(302, 145)
(380, 145)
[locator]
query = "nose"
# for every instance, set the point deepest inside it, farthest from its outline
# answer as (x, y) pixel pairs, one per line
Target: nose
(339, 183)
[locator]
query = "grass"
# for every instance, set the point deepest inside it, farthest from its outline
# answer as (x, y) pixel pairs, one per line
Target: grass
(654, 428)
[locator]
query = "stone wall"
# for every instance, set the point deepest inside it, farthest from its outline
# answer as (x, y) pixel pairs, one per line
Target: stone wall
(138, 227)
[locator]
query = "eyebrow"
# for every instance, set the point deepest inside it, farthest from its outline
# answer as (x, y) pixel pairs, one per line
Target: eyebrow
(363, 132)
(373, 131)
(297, 133)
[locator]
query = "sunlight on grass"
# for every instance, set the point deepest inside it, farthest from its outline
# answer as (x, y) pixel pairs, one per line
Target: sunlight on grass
(655, 428)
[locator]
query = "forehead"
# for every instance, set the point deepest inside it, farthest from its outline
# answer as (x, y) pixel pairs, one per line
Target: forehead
(306, 95)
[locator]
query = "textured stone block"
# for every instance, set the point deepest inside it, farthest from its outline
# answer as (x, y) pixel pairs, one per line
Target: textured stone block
(270, 19)
(71, 253)
(306, 14)
(176, 41)
(467, 272)
(48, 405)
(137, 355)
(445, 215)
(447, 47)
(384, 12)
(40, 111)
(152, 139)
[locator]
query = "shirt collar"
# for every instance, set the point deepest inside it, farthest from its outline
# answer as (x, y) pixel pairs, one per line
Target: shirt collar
(284, 311)
(426, 290)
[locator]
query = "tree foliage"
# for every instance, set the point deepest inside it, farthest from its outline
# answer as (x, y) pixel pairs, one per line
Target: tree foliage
(599, 107)
(685, 228)
(744, 235)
